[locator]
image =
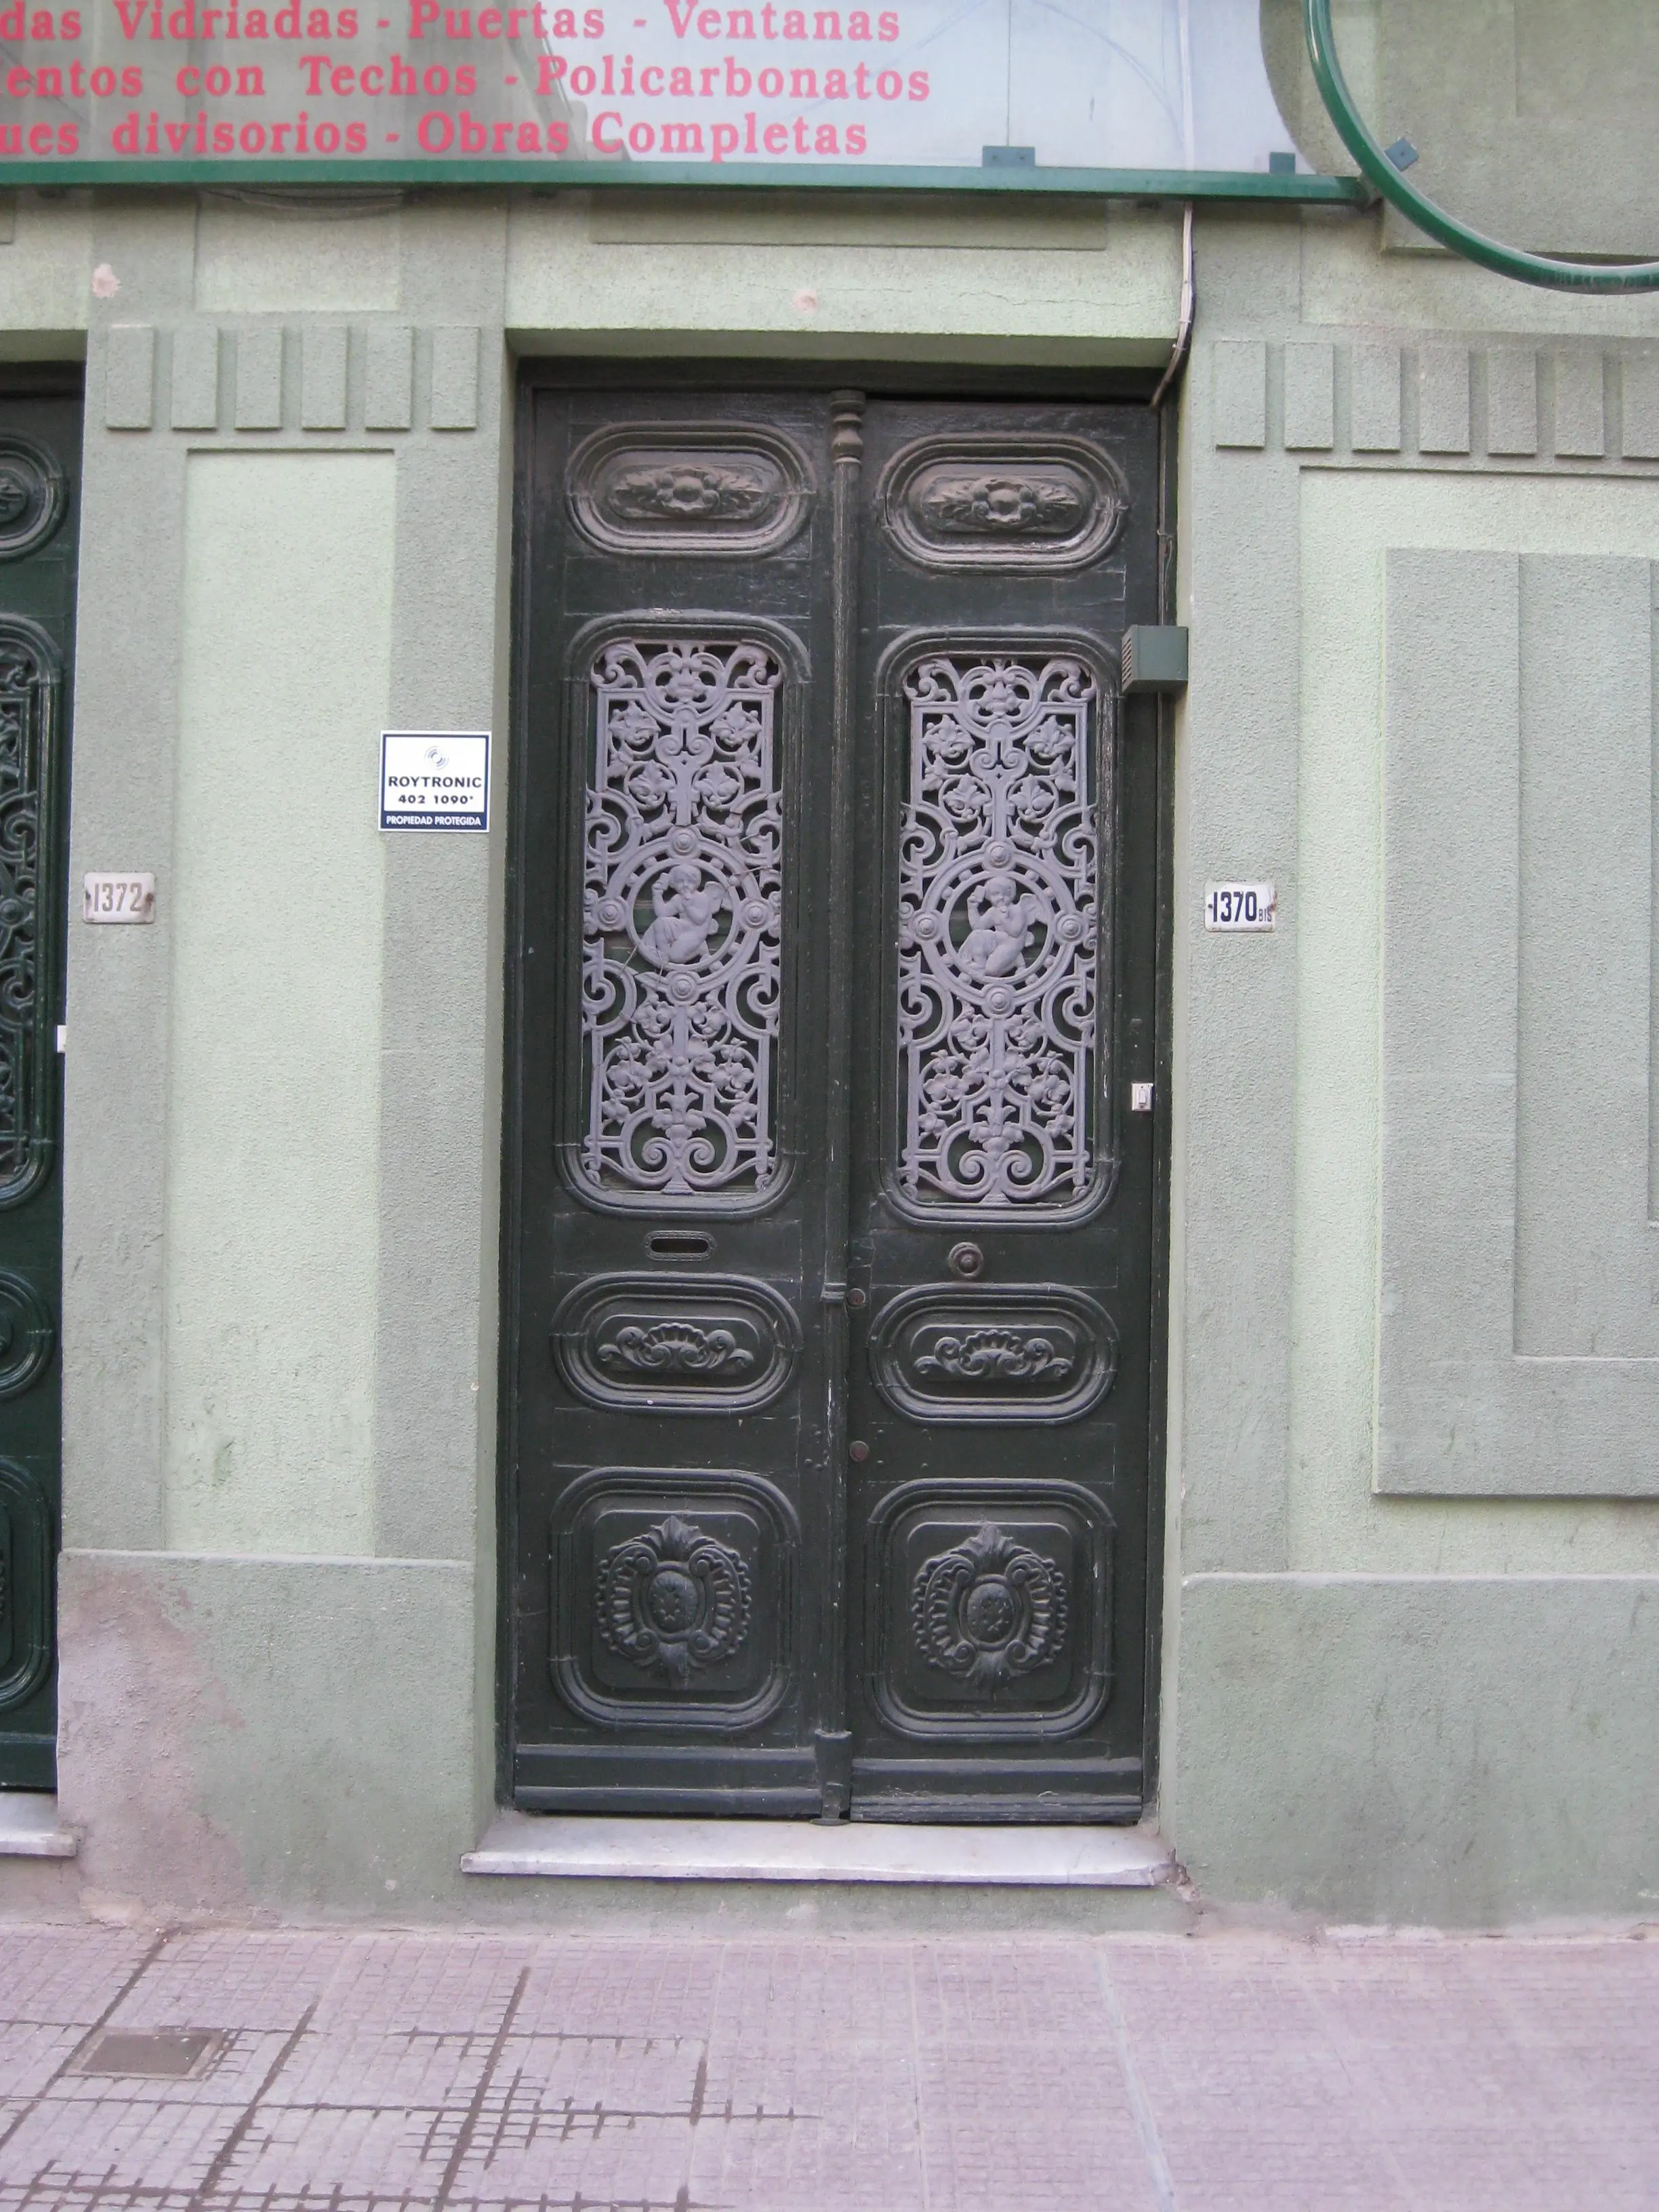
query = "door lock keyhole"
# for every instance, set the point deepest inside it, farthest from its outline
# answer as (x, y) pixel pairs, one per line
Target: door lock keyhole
(966, 1261)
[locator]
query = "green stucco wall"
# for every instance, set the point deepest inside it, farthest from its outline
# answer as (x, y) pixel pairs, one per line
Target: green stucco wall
(1398, 1688)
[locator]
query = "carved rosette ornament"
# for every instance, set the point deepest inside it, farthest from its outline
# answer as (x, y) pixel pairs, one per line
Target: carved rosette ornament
(965, 505)
(988, 1611)
(692, 490)
(1009, 1355)
(673, 1598)
(997, 928)
(681, 921)
(675, 1347)
(33, 496)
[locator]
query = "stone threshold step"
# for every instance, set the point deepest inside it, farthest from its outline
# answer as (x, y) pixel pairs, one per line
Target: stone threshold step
(634, 1849)
(30, 1828)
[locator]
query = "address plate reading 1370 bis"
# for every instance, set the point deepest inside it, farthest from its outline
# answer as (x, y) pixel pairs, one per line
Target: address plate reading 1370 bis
(1231, 908)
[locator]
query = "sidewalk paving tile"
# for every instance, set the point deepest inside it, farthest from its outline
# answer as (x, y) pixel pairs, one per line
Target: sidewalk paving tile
(811, 2091)
(445, 2071)
(32, 2053)
(65, 1976)
(294, 2155)
(1388, 2074)
(74, 2153)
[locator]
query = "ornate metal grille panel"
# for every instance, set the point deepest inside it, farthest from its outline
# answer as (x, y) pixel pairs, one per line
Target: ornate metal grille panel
(27, 677)
(682, 923)
(999, 897)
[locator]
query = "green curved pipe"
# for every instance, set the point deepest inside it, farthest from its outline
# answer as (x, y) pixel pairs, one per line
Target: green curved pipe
(1475, 245)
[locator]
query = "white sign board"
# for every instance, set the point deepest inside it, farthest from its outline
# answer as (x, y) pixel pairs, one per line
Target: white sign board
(1126, 84)
(435, 780)
(154, 88)
(1234, 908)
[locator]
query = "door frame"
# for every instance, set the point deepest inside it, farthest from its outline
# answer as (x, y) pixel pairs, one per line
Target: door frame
(62, 380)
(1146, 720)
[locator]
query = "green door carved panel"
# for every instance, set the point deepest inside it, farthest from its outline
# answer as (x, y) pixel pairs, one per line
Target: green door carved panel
(40, 474)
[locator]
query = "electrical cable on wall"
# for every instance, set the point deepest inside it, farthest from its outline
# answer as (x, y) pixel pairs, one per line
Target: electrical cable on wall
(1183, 338)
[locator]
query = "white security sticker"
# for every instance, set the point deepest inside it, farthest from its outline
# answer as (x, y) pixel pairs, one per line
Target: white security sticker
(435, 780)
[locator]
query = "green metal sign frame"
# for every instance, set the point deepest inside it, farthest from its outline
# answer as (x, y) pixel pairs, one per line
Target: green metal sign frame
(555, 175)
(1445, 230)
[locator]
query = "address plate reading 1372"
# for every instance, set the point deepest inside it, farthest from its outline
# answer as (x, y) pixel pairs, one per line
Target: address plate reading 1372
(1238, 906)
(119, 895)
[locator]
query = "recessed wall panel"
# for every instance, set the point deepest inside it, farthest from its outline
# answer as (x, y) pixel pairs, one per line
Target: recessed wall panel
(273, 907)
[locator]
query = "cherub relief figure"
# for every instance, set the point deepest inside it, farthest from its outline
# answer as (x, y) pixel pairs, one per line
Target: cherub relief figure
(687, 912)
(1002, 929)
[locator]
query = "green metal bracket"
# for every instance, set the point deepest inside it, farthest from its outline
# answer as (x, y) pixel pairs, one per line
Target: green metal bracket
(1475, 245)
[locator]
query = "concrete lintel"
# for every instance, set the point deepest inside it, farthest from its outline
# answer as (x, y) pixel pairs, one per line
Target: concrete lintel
(977, 349)
(528, 1844)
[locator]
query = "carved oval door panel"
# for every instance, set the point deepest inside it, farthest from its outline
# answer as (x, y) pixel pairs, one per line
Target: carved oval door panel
(1028, 1352)
(645, 487)
(1003, 500)
(711, 1344)
(828, 1442)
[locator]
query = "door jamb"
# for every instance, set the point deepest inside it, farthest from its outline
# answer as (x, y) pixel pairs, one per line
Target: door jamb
(877, 380)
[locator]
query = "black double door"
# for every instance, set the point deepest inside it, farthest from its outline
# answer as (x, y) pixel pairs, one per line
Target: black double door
(39, 483)
(832, 1247)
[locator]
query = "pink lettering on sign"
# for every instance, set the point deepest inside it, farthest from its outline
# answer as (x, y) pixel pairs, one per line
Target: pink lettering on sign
(129, 85)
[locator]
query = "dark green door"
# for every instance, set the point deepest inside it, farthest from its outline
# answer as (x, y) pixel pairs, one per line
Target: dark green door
(40, 483)
(830, 1260)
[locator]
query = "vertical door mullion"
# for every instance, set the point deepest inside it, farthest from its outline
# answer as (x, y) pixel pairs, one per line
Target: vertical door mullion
(846, 453)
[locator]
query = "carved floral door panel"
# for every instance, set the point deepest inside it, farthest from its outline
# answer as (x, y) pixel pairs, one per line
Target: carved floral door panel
(830, 1250)
(40, 479)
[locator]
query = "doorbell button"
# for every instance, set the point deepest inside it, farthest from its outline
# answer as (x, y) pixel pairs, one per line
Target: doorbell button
(966, 1261)
(858, 1451)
